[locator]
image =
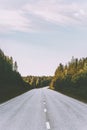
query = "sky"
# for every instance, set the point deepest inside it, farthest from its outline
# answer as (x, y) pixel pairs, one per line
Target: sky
(40, 34)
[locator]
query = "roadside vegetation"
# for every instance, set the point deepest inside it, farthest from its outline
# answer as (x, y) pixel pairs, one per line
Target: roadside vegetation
(71, 79)
(38, 81)
(11, 82)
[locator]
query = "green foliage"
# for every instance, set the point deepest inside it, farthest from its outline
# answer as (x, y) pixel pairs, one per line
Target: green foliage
(71, 79)
(11, 83)
(37, 81)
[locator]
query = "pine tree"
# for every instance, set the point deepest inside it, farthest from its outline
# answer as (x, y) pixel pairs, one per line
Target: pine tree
(15, 68)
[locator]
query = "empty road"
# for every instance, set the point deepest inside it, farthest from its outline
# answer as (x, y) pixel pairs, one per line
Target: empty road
(43, 109)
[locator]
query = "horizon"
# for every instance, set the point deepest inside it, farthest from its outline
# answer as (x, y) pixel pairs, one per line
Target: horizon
(41, 34)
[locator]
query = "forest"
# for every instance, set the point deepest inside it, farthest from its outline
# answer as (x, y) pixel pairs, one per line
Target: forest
(38, 81)
(71, 79)
(11, 82)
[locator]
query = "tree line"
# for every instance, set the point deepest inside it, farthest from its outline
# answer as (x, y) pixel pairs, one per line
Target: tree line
(71, 79)
(11, 82)
(38, 81)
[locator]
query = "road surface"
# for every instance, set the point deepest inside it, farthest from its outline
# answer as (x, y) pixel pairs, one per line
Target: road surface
(43, 109)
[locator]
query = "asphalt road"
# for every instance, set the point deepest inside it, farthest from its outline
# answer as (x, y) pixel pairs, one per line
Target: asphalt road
(43, 109)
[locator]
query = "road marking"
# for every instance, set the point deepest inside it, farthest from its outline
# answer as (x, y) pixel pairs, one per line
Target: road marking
(48, 125)
(45, 110)
(44, 102)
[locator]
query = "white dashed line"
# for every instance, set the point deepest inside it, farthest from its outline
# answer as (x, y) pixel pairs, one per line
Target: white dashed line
(48, 125)
(45, 110)
(44, 102)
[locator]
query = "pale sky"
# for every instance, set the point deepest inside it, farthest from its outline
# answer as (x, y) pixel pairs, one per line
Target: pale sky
(39, 34)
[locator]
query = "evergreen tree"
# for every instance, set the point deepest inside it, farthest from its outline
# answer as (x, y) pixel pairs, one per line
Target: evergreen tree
(15, 68)
(71, 79)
